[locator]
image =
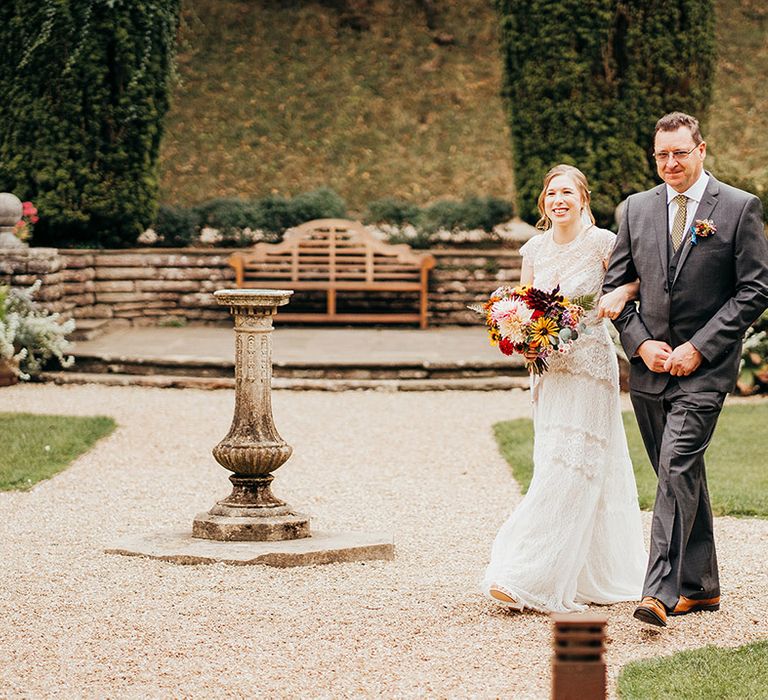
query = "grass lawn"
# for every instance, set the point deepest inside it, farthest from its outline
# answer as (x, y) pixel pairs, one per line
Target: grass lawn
(35, 447)
(700, 674)
(736, 474)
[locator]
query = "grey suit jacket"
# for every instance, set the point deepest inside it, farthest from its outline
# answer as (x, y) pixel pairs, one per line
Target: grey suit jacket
(720, 286)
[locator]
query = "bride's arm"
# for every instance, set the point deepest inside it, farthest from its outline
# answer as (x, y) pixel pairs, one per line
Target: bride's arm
(526, 272)
(611, 304)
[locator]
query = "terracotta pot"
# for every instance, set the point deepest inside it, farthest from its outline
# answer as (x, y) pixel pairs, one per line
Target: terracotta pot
(9, 372)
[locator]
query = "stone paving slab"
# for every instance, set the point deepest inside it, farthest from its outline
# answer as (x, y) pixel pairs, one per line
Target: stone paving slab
(180, 547)
(295, 384)
(445, 344)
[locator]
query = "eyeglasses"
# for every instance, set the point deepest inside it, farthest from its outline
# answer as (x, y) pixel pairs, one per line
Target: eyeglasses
(663, 156)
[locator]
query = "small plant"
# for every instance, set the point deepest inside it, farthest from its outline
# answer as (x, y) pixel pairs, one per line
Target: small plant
(22, 229)
(31, 336)
(753, 370)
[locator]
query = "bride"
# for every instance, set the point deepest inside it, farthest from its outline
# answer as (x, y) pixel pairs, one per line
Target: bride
(576, 537)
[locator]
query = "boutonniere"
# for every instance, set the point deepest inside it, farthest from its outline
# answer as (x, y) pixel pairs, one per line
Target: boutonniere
(702, 228)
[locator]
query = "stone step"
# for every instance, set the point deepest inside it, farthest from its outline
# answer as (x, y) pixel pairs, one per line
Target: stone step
(168, 381)
(89, 328)
(216, 367)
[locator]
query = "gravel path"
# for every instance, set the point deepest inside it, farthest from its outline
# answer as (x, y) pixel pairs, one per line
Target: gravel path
(79, 623)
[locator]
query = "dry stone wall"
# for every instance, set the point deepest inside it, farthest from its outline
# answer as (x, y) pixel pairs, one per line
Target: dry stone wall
(163, 287)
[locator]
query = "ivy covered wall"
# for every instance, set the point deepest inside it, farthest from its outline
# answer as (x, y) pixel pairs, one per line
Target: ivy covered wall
(83, 92)
(586, 80)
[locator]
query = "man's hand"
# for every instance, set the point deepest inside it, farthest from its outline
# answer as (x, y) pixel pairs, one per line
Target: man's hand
(655, 354)
(684, 360)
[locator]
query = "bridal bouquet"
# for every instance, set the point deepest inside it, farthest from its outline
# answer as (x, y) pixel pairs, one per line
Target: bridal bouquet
(525, 319)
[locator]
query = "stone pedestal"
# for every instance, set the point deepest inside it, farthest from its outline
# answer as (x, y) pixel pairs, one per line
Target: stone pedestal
(321, 548)
(252, 449)
(251, 525)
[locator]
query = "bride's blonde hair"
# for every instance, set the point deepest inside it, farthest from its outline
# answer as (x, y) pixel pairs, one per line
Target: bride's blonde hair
(581, 184)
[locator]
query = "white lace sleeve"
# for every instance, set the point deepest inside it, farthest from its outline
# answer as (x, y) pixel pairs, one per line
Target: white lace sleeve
(606, 240)
(529, 249)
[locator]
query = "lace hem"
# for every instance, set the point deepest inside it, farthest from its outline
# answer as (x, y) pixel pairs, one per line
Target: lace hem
(573, 448)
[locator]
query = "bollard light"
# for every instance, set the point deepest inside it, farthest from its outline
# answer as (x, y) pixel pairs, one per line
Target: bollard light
(578, 663)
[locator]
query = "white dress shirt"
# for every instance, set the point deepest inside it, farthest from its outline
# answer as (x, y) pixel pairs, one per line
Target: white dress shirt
(695, 193)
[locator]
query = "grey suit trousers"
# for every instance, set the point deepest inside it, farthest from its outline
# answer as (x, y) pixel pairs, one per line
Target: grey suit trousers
(677, 427)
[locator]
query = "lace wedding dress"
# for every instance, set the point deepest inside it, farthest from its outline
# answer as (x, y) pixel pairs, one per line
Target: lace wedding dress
(576, 537)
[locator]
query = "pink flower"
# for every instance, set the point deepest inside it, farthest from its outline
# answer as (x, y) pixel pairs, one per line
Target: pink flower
(507, 308)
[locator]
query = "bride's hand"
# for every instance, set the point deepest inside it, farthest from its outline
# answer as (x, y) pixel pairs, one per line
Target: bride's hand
(531, 354)
(611, 304)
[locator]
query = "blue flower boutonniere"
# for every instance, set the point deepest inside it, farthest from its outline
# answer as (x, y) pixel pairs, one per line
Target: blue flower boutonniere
(702, 228)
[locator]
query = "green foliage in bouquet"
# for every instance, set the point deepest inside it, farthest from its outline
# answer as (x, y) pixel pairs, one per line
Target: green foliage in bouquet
(84, 87)
(29, 335)
(585, 82)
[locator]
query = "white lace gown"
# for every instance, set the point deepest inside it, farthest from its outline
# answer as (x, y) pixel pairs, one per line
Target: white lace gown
(576, 537)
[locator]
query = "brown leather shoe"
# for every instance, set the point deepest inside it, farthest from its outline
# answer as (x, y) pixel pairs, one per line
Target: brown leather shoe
(689, 605)
(651, 611)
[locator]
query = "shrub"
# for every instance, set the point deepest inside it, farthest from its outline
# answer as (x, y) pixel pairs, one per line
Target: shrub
(84, 145)
(469, 214)
(322, 203)
(586, 80)
(392, 211)
(29, 335)
(241, 221)
(228, 215)
(238, 221)
(176, 226)
(414, 237)
(275, 215)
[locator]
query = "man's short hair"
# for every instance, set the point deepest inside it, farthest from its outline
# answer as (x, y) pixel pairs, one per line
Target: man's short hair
(674, 120)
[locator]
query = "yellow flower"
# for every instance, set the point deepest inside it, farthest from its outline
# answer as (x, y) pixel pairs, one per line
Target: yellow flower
(543, 330)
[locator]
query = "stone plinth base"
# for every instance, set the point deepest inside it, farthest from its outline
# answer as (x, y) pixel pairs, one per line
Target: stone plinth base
(180, 547)
(254, 529)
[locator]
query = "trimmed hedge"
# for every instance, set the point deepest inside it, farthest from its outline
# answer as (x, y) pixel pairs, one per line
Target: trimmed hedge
(269, 217)
(469, 214)
(84, 90)
(586, 80)
(272, 215)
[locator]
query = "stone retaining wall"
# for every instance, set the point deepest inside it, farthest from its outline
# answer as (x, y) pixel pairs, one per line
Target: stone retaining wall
(167, 286)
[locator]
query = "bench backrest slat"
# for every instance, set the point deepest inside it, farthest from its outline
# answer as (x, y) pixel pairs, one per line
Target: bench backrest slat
(331, 250)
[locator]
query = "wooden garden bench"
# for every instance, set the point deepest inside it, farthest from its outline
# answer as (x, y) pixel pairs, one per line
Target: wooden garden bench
(336, 255)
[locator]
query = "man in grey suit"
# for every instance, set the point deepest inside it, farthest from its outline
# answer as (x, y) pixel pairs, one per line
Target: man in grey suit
(699, 249)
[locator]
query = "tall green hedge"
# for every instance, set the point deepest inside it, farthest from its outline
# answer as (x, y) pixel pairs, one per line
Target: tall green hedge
(83, 91)
(586, 80)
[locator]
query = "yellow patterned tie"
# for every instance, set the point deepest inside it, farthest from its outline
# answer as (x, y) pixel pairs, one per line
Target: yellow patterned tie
(678, 226)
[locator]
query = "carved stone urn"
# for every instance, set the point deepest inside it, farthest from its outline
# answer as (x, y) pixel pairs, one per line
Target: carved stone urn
(10, 212)
(252, 449)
